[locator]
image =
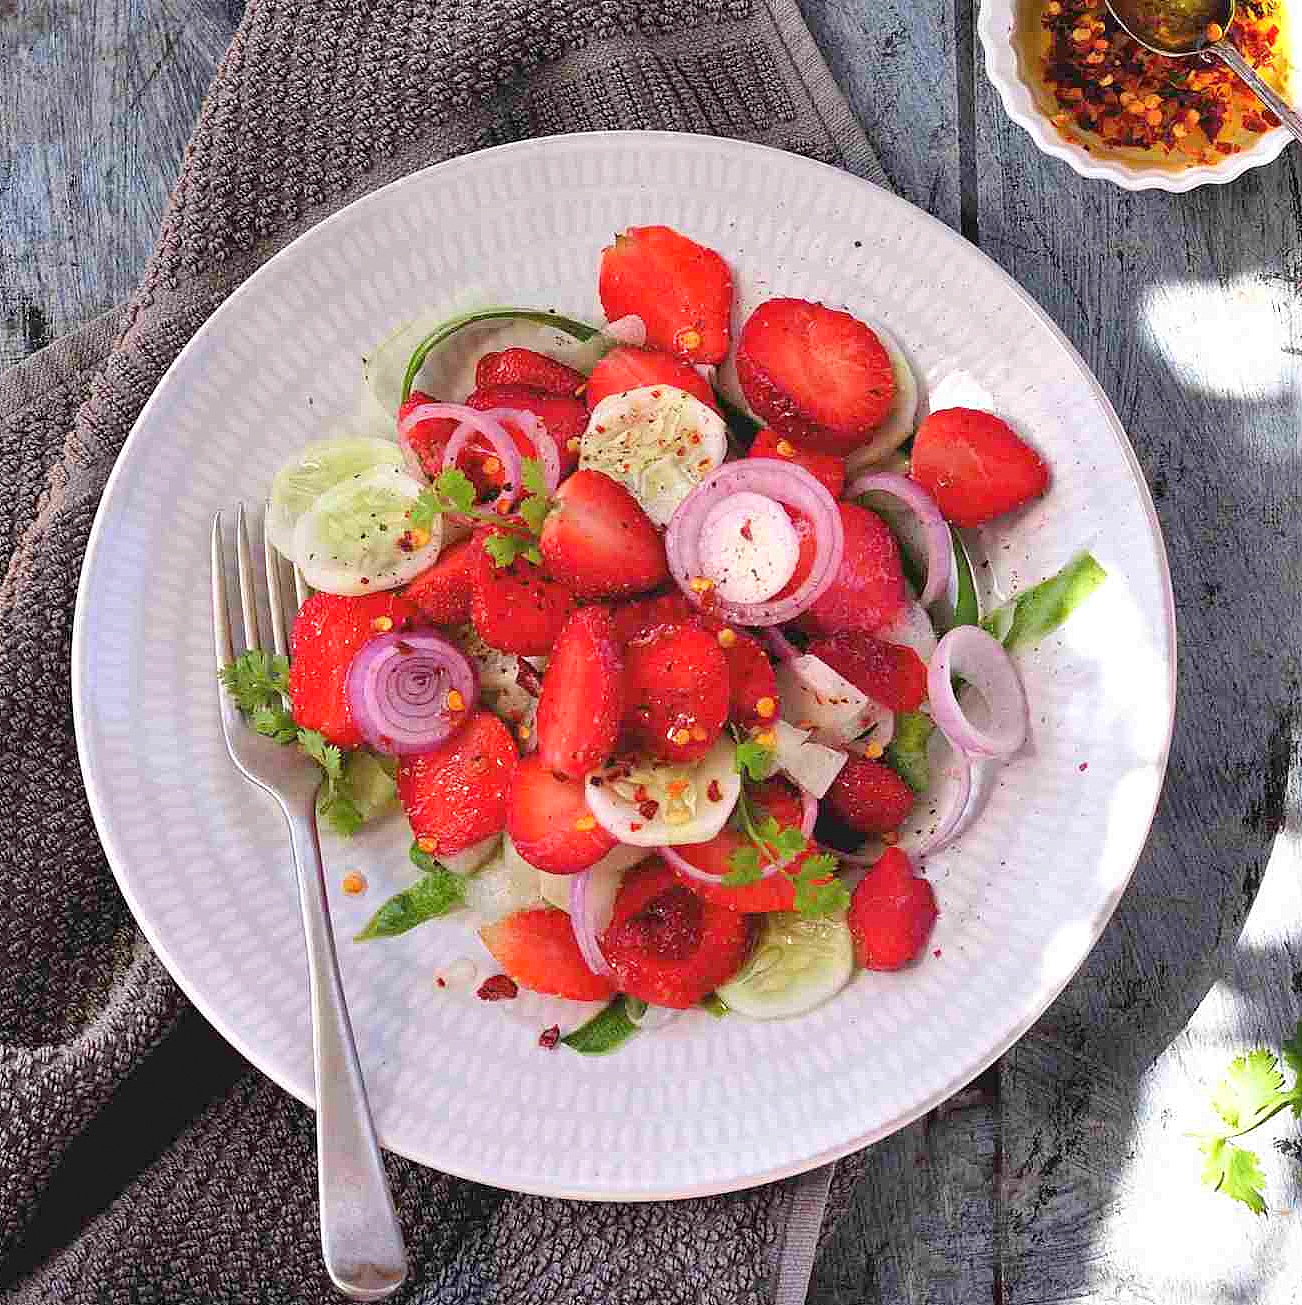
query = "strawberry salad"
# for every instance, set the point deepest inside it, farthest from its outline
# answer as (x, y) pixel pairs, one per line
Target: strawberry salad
(694, 675)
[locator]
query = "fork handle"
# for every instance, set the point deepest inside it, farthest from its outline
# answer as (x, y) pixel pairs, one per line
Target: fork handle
(361, 1239)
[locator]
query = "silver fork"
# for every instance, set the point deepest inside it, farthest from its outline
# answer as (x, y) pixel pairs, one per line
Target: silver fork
(361, 1240)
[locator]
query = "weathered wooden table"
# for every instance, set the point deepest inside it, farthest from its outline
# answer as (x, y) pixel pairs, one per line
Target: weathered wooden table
(1064, 1173)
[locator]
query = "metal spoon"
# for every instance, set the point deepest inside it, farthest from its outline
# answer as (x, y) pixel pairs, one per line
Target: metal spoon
(1180, 28)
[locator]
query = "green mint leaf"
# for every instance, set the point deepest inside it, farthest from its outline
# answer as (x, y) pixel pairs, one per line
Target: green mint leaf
(1235, 1171)
(744, 867)
(1250, 1090)
(753, 761)
(906, 754)
(1031, 616)
(604, 1032)
(274, 723)
(531, 476)
(819, 899)
(435, 893)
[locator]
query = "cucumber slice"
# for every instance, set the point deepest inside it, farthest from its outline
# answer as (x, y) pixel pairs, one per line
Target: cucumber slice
(320, 466)
(797, 963)
(604, 880)
(900, 422)
(659, 442)
(347, 542)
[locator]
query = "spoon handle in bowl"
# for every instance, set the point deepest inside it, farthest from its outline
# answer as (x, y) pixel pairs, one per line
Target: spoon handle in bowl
(1228, 53)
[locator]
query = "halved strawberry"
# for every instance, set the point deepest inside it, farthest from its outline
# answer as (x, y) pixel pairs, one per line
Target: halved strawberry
(427, 438)
(599, 541)
(776, 798)
(892, 912)
(443, 592)
(868, 592)
(681, 290)
(525, 367)
(808, 544)
(628, 368)
(814, 374)
(328, 631)
(870, 797)
(675, 693)
(518, 608)
(975, 466)
(455, 795)
(537, 949)
(752, 684)
(563, 416)
(582, 699)
(549, 821)
(643, 615)
(888, 673)
(667, 945)
(827, 467)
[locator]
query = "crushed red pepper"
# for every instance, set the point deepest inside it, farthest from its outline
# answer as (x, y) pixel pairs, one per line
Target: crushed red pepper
(1107, 84)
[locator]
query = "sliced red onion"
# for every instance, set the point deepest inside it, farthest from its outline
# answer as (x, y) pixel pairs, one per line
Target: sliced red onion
(629, 329)
(931, 532)
(503, 445)
(584, 923)
(411, 459)
(707, 372)
(913, 629)
(531, 426)
(808, 813)
(790, 485)
(779, 645)
(680, 862)
(951, 818)
(398, 687)
(969, 652)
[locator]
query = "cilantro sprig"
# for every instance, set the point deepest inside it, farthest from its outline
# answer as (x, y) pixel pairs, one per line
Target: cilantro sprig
(1253, 1091)
(453, 491)
(259, 684)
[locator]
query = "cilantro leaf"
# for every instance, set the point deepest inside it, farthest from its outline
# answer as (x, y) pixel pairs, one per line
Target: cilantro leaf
(340, 812)
(1250, 1091)
(455, 489)
(275, 723)
(532, 477)
(753, 760)
(533, 512)
(421, 514)
(256, 680)
(828, 897)
(745, 867)
(504, 549)
(326, 755)
(1235, 1171)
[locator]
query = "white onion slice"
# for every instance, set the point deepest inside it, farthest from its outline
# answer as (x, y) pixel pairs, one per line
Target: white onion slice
(969, 652)
(921, 524)
(583, 920)
(950, 819)
(816, 697)
(748, 547)
(809, 765)
(913, 629)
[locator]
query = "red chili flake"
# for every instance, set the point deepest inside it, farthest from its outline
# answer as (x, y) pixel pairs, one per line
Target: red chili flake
(746, 532)
(441, 981)
(634, 826)
(936, 952)
(714, 792)
(655, 394)
(500, 987)
(548, 1038)
(647, 810)
(640, 793)
(1084, 765)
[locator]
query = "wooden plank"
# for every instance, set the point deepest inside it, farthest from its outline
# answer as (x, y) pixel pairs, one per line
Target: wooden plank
(1187, 308)
(97, 98)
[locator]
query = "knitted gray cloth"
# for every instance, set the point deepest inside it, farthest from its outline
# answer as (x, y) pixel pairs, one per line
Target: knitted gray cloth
(140, 1158)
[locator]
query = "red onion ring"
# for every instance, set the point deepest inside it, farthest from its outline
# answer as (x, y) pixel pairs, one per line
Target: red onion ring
(536, 432)
(913, 629)
(397, 689)
(629, 329)
(411, 459)
(935, 532)
(779, 645)
(951, 818)
(584, 925)
(808, 813)
(679, 862)
(788, 484)
(503, 445)
(968, 651)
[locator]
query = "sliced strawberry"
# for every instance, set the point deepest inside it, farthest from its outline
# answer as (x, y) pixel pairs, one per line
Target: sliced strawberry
(868, 592)
(563, 416)
(644, 615)
(627, 368)
(808, 544)
(327, 633)
(814, 374)
(892, 912)
(776, 798)
(427, 439)
(537, 949)
(582, 699)
(826, 467)
(870, 797)
(534, 370)
(549, 821)
(752, 685)
(667, 945)
(599, 541)
(675, 693)
(681, 290)
(518, 608)
(443, 592)
(455, 796)
(975, 466)
(888, 673)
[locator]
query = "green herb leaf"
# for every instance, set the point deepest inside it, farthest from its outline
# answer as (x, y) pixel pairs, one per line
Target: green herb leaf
(966, 611)
(533, 512)
(1235, 1171)
(715, 1005)
(257, 680)
(455, 489)
(744, 867)
(753, 760)
(339, 812)
(1292, 1051)
(906, 754)
(326, 755)
(275, 722)
(604, 1032)
(421, 514)
(817, 899)
(1033, 615)
(504, 549)
(1250, 1088)
(435, 893)
(532, 477)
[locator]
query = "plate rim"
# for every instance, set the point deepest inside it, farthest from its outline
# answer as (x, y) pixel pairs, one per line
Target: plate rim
(1040, 999)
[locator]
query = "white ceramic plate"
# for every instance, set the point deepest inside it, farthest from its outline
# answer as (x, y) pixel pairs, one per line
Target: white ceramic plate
(999, 24)
(706, 1105)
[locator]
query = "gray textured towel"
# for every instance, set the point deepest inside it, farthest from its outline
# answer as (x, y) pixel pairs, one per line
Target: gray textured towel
(140, 1159)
